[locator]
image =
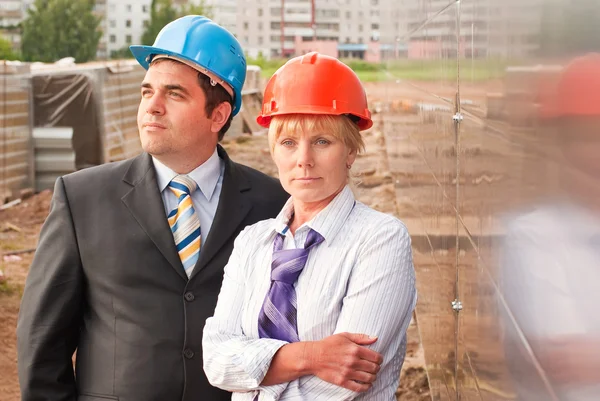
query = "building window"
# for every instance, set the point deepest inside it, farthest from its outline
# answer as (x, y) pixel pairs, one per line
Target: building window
(128, 8)
(260, 12)
(113, 39)
(112, 23)
(146, 23)
(145, 8)
(260, 26)
(375, 27)
(245, 26)
(348, 14)
(128, 39)
(360, 28)
(374, 2)
(260, 40)
(128, 23)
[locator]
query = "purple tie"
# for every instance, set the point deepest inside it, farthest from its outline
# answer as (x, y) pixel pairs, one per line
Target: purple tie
(277, 318)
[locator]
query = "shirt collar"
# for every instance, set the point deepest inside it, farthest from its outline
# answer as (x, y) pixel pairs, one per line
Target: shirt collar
(327, 222)
(206, 175)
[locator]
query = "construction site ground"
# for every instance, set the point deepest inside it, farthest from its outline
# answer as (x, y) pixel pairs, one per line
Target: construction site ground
(377, 186)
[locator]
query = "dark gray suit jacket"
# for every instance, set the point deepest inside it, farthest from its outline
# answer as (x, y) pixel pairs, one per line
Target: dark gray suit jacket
(107, 281)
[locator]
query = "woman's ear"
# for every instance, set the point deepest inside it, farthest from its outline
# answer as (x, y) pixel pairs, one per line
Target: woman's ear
(351, 157)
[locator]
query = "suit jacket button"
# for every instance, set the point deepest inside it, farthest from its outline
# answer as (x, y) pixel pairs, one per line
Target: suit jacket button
(188, 353)
(189, 296)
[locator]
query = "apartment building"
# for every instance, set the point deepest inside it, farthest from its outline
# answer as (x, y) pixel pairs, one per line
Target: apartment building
(270, 27)
(392, 28)
(488, 28)
(223, 12)
(124, 23)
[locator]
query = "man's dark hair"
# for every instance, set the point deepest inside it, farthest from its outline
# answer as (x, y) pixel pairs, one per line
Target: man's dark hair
(215, 95)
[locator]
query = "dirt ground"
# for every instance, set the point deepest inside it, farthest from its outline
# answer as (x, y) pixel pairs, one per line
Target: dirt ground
(20, 225)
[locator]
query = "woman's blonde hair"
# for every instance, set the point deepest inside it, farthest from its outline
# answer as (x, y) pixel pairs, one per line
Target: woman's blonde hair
(341, 127)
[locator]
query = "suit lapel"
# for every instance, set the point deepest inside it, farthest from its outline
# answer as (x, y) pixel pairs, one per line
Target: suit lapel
(145, 203)
(233, 207)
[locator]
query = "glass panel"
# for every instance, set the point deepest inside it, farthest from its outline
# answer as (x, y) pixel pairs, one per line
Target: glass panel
(420, 136)
(529, 215)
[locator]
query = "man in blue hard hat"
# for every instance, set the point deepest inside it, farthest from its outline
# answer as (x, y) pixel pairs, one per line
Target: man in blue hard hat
(130, 260)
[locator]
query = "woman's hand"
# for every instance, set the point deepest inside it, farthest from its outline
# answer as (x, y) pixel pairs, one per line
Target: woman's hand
(342, 359)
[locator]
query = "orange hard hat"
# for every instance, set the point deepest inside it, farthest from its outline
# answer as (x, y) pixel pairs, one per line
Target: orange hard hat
(315, 84)
(578, 90)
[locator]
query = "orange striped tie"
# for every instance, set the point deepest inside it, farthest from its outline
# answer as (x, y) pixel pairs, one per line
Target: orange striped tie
(184, 222)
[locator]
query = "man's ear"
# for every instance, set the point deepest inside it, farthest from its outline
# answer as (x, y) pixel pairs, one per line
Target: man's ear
(220, 115)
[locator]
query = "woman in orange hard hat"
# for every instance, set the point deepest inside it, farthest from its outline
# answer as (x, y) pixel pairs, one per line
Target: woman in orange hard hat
(551, 262)
(316, 302)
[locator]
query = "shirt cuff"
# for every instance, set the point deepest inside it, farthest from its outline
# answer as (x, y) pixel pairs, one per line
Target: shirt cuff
(256, 360)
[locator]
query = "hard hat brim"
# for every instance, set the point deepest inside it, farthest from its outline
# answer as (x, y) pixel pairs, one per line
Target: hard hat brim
(265, 120)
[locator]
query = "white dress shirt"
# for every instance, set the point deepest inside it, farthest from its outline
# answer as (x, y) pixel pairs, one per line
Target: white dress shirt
(359, 280)
(551, 283)
(208, 176)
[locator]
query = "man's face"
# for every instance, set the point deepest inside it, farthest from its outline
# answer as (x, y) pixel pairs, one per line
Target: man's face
(171, 117)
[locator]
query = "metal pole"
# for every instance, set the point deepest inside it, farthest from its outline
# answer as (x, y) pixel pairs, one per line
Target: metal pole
(457, 304)
(4, 130)
(313, 20)
(472, 47)
(281, 27)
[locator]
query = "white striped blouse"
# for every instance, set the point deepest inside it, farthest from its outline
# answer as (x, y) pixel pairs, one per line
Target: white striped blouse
(359, 280)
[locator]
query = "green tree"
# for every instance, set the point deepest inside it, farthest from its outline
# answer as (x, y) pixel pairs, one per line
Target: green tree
(122, 53)
(197, 9)
(163, 11)
(6, 50)
(55, 29)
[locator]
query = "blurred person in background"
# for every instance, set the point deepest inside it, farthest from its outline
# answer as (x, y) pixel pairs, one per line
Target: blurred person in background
(315, 303)
(130, 259)
(551, 260)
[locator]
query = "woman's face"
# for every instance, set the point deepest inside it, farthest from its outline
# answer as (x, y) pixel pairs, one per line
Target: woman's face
(312, 165)
(581, 144)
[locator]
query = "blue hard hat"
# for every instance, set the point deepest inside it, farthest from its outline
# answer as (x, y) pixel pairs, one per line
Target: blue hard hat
(202, 42)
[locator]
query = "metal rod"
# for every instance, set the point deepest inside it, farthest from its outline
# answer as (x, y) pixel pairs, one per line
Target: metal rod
(281, 25)
(313, 19)
(4, 184)
(457, 121)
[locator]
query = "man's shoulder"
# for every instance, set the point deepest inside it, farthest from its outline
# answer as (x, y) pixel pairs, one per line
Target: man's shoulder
(96, 174)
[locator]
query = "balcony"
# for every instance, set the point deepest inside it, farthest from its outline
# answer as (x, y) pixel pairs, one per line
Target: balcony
(11, 14)
(298, 31)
